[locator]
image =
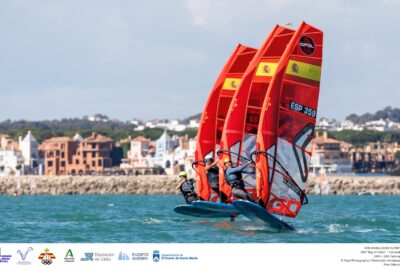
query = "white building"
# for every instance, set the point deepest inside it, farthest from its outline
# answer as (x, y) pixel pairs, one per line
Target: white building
(78, 137)
(98, 118)
(29, 148)
(175, 154)
(164, 155)
(150, 124)
(184, 155)
(379, 125)
(326, 124)
(349, 125)
(139, 128)
(393, 125)
(193, 123)
(171, 125)
(136, 122)
(139, 156)
(11, 162)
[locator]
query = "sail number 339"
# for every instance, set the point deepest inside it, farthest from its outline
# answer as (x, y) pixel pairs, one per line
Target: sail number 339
(303, 109)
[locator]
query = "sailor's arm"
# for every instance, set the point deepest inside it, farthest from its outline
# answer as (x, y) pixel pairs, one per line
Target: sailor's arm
(178, 186)
(245, 169)
(211, 165)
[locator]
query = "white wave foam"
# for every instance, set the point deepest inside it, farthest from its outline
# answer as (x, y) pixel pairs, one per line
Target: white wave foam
(369, 230)
(253, 228)
(336, 228)
(152, 221)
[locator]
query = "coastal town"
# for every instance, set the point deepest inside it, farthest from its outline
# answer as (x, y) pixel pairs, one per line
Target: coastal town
(168, 154)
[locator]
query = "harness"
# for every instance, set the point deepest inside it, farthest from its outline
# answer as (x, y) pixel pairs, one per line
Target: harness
(237, 184)
(213, 175)
(233, 179)
(187, 189)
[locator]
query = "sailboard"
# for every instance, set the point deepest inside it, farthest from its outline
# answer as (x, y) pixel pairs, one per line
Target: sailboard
(214, 206)
(190, 210)
(287, 123)
(238, 139)
(258, 214)
(214, 114)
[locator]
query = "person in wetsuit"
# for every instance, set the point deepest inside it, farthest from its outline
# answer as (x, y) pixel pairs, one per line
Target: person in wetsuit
(212, 172)
(186, 187)
(233, 176)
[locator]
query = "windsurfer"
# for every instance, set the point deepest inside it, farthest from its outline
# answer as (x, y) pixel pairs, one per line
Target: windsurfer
(186, 187)
(233, 176)
(213, 177)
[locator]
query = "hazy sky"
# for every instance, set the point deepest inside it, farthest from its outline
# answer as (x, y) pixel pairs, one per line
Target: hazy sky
(159, 59)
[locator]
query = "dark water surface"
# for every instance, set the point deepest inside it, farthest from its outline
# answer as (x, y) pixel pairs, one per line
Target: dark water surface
(150, 219)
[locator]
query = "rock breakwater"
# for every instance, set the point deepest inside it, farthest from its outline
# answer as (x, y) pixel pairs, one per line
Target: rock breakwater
(155, 184)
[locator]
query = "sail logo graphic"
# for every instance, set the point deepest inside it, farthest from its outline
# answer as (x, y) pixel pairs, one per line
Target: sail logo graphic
(307, 45)
(23, 257)
(123, 256)
(4, 258)
(69, 257)
(156, 255)
(46, 257)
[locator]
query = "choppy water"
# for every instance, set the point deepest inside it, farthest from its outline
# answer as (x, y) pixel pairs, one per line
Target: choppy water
(150, 219)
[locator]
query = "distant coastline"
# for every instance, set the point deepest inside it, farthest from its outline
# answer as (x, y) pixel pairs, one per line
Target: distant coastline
(156, 184)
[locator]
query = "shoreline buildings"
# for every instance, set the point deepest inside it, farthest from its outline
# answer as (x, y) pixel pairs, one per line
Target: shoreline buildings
(19, 158)
(169, 154)
(330, 155)
(66, 156)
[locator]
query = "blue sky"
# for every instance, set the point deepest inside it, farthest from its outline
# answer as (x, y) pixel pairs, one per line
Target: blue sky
(159, 59)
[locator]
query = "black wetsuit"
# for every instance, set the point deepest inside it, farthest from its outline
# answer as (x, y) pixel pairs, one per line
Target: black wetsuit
(234, 178)
(213, 180)
(188, 192)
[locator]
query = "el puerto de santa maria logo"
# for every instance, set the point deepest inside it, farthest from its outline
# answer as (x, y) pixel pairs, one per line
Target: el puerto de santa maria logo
(156, 255)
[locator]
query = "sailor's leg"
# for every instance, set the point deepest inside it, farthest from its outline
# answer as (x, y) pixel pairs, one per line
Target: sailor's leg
(191, 198)
(242, 194)
(223, 197)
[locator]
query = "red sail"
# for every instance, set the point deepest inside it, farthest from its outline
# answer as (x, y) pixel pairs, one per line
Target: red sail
(214, 114)
(240, 130)
(287, 124)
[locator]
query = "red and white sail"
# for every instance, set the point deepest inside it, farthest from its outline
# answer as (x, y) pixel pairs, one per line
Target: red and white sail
(214, 114)
(240, 130)
(287, 124)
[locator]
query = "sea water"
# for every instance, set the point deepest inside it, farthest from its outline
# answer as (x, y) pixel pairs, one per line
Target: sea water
(150, 219)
